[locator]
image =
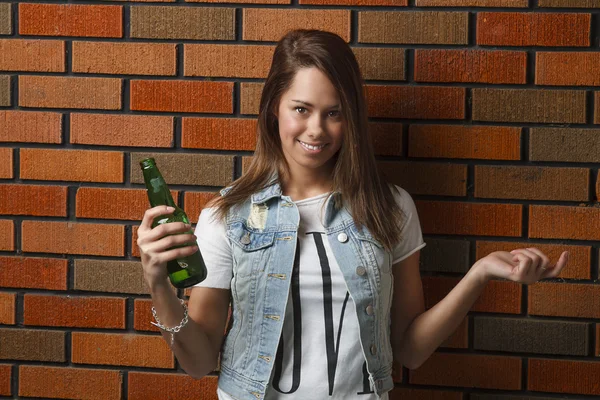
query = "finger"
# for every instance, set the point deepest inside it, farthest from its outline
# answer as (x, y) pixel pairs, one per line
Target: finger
(535, 258)
(169, 242)
(170, 228)
(152, 213)
(524, 267)
(180, 252)
(544, 261)
(554, 271)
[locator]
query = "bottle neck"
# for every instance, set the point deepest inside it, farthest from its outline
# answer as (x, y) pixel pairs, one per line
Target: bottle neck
(158, 191)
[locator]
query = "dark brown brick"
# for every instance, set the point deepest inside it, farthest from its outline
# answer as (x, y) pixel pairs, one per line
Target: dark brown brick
(250, 93)
(34, 273)
(32, 55)
(564, 300)
(5, 19)
(404, 393)
(224, 60)
(169, 22)
(22, 199)
(529, 105)
(32, 345)
(532, 183)
(7, 311)
(30, 126)
(427, 178)
(386, 138)
(563, 222)
(567, 68)
(445, 255)
(109, 276)
(518, 335)
(478, 396)
(415, 27)
(416, 102)
(395, 3)
(219, 133)
(563, 144)
(209, 169)
(381, 63)
(481, 66)
(580, 377)
(5, 91)
(153, 386)
(533, 29)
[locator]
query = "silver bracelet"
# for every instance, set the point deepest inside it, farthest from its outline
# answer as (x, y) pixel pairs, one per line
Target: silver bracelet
(174, 329)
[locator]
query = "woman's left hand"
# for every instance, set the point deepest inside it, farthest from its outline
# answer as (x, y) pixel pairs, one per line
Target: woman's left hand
(522, 265)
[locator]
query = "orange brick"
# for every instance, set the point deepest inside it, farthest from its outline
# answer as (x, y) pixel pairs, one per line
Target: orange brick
(69, 383)
(567, 68)
(531, 183)
(454, 141)
(427, 178)
(360, 3)
(5, 379)
(74, 311)
(34, 273)
(579, 266)
(469, 370)
(122, 130)
(73, 238)
(219, 133)
(7, 235)
(224, 60)
(481, 66)
(6, 163)
(91, 165)
(195, 202)
(415, 102)
(30, 126)
(564, 300)
(569, 3)
(250, 93)
(241, 1)
(70, 20)
(481, 219)
(533, 29)
(142, 315)
(135, 250)
(124, 58)
(7, 309)
(22, 199)
(32, 55)
(386, 138)
(69, 92)
(262, 24)
(152, 386)
(473, 3)
(561, 222)
(579, 377)
(121, 349)
(497, 297)
(182, 96)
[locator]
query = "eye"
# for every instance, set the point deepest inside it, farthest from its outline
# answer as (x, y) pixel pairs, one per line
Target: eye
(300, 110)
(334, 114)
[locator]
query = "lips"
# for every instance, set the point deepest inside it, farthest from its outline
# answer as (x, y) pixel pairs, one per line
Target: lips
(312, 146)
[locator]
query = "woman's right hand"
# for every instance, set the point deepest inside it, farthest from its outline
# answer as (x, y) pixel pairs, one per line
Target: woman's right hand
(158, 245)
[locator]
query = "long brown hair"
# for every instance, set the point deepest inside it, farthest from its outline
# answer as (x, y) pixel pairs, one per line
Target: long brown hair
(356, 176)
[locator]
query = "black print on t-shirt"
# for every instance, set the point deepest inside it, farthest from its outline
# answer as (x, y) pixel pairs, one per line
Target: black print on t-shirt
(332, 349)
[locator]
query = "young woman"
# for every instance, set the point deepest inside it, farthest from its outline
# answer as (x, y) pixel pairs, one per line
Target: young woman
(317, 254)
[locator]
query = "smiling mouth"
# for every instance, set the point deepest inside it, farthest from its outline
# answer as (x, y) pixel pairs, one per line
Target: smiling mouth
(309, 147)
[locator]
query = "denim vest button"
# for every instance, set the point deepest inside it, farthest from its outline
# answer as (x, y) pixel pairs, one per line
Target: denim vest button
(342, 237)
(245, 239)
(361, 270)
(370, 310)
(373, 349)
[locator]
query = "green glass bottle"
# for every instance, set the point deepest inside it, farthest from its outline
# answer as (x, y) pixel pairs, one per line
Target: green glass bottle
(183, 272)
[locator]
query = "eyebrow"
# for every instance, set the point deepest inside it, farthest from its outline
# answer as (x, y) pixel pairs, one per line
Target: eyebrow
(310, 105)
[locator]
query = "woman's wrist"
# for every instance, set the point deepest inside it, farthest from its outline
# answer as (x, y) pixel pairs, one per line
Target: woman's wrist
(480, 272)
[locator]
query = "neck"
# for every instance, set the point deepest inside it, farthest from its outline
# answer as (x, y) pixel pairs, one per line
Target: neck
(304, 185)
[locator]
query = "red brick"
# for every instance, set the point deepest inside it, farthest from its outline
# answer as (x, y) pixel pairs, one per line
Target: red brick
(224, 60)
(30, 126)
(124, 58)
(122, 130)
(455, 141)
(106, 203)
(427, 178)
(6, 163)
(241, 1)
(22, 199)
(469, 370)
(261, 24)
(459, 339)
(5, 379)
(497, 297)
(69, 383)
(34, 273)
(532, 183)
(567, 68)
(481, 219)
(195, 202)
(473, 3)
(564, 300)
(569, 3)
(360, 3)
(386, 138)
(142, 315)
(153, 386)
(415, 102)
(70, 20)
(32, 55)
(182, 96)
(121, 349)
(7, 309)
(91, 165)
(562, 222)
(135, 250)
(404, 393)
(219, 133)
(69, 92)
(74, 311)
(580, 377)
(7, 235)
(533, 29)
(579, 266)
(73, 238)
(481, 66)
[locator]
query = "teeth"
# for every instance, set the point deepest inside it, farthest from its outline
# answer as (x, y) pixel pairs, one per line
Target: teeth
(308, 146)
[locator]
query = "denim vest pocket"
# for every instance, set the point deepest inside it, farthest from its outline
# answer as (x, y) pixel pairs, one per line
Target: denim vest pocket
(253, 248)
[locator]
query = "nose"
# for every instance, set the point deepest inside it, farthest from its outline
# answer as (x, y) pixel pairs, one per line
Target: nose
(315, 126)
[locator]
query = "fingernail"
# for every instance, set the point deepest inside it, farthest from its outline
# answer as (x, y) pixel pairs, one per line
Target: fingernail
(170, 209)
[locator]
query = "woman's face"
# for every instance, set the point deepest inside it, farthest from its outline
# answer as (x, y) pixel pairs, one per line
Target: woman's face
(310, 123)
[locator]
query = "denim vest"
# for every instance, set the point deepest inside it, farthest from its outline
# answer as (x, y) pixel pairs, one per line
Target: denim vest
(263, 258)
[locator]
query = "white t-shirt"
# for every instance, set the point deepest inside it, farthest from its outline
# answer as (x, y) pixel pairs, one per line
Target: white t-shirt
(320, 309)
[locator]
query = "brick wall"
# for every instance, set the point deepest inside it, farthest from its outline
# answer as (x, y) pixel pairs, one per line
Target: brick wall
(484, 110)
